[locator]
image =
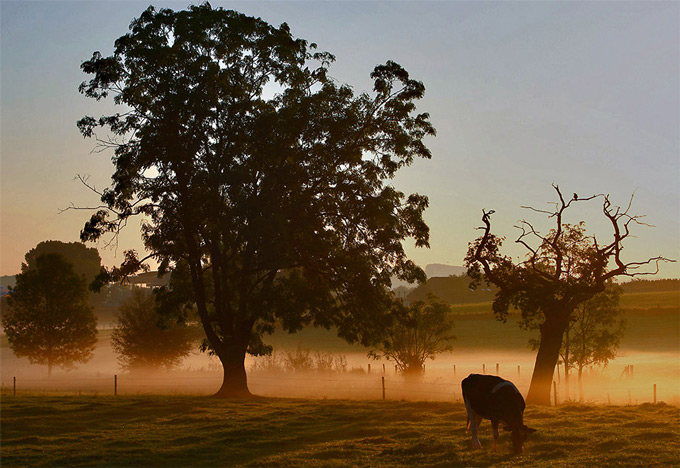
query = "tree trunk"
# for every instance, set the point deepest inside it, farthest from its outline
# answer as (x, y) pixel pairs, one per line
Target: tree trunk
(235, 381)
(580, 384)
(567, 363)
(552, 331)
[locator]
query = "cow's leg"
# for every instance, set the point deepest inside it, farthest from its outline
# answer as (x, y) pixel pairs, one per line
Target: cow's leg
(473, 420)
(494, 426)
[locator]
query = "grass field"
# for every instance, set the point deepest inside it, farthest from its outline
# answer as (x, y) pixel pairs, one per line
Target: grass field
(159, 431)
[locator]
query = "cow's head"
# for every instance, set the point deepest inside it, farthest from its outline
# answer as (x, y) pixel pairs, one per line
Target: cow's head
(519, 435)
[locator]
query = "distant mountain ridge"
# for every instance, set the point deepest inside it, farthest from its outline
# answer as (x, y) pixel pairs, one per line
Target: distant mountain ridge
(440, 270)
(8, 280)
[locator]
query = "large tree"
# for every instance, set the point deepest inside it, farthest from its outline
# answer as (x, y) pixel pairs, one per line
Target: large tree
(260, 173)
(563, 268)
(49, 320)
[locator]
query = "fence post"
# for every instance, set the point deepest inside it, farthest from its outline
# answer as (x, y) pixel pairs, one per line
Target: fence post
(14, 386)
(518, 373)
(555, 392)
(483, 368)
(454, 370)
(115, 385)
(369, 368)
(497, 367)
(383, 387)
(655, 394)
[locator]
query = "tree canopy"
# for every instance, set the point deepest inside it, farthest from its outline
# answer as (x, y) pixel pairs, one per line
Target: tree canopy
(258, 171)
(419, 332)
(49, 320)
(85, 260)
(143, 340)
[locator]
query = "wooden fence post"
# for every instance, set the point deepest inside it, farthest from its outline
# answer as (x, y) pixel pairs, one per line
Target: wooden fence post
(555, 392)
(518, 374)
(655, 394)
(115, 385)
(383, 387)
(14, 386)
(369, 368)
(497, 368)
(483, 368)
(454, 370)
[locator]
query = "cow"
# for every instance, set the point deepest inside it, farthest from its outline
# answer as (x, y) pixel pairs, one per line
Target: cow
(490, 397)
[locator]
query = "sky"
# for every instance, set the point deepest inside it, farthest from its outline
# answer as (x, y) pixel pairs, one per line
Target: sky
(585, 95)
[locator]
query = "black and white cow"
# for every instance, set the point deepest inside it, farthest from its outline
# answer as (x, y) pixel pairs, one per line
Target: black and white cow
(490, 397)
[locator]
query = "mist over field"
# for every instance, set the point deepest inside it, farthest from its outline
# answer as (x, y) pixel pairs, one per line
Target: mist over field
(650, 345)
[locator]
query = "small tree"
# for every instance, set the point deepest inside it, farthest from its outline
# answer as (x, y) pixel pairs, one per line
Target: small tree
(142, 339)
(49, 320)
(595, 332)
(85, 260)
(419, 332)
(593, 335)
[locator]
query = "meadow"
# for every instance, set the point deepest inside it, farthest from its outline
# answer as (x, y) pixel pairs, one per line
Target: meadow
(183, 431)
(73, 420)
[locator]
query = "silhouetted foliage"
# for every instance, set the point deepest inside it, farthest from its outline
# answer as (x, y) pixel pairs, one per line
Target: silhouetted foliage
(563, 269)
(419, 332)
(49, 320)
(85, 260)
(260, 173)
(143, 340)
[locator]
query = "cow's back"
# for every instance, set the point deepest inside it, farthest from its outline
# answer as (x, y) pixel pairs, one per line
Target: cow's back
(504, 403)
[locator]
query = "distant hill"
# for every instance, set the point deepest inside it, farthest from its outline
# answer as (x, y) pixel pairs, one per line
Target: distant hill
(437, 270)
(8, 280)
(660, 285)
(452, 289)
(432, 270)
(455, 289)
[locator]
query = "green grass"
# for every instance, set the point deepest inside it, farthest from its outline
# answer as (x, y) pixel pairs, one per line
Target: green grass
(200, 431)
(651, 300)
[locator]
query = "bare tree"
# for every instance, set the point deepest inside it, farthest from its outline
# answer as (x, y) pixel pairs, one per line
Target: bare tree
(562, 269)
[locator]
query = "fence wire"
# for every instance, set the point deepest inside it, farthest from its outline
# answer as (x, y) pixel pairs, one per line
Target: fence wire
(625, 389)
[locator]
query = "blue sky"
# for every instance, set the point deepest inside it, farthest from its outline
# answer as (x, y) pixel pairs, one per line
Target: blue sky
(523, 94)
